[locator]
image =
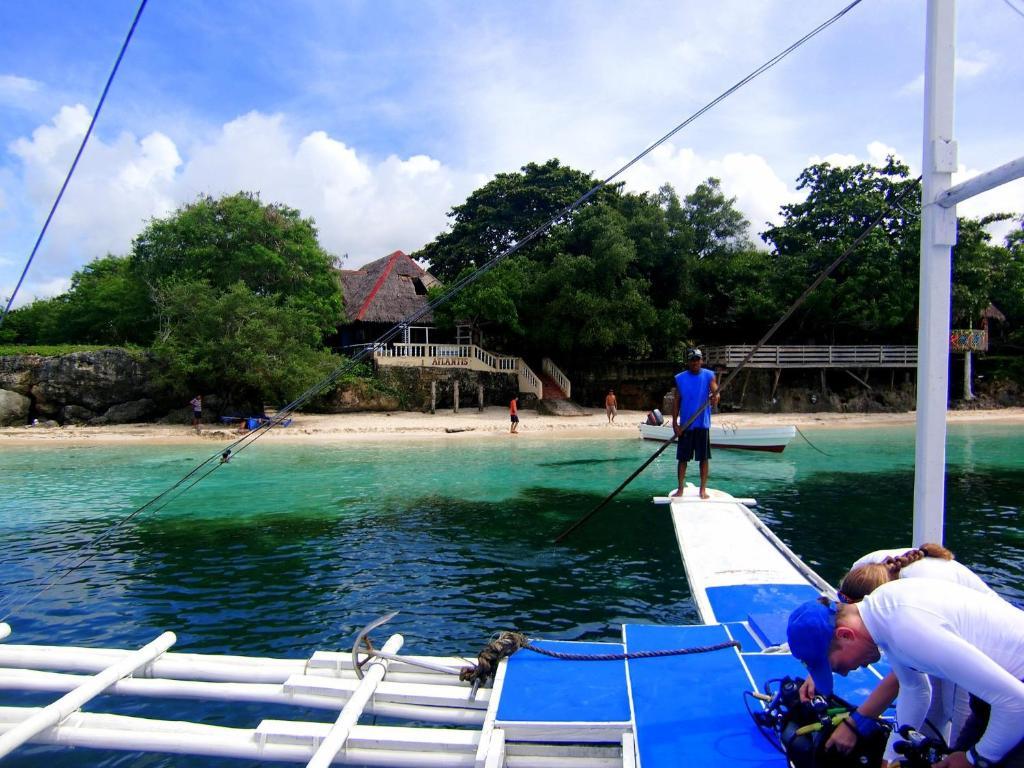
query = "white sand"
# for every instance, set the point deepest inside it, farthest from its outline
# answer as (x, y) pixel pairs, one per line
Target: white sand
(491, 424)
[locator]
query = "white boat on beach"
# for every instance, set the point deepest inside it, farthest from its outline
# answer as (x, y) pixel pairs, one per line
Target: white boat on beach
(772, 439)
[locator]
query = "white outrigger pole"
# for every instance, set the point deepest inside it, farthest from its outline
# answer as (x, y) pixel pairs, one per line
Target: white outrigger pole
(938, 236)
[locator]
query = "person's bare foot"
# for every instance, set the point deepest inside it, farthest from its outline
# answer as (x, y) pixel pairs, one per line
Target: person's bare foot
(678, 493)
(704, 493)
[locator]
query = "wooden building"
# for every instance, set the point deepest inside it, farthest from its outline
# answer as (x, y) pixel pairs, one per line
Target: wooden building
(380, 295)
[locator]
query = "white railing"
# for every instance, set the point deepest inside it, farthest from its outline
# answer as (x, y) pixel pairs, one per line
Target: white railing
(552, 370)
(528, 380)
(867, 356)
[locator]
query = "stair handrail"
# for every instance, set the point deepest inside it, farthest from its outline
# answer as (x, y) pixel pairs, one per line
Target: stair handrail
(528, 380)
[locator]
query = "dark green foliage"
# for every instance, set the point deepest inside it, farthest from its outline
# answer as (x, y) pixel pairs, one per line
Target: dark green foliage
(106, 304)
(501, 212)
(237, 343)
(872, 297)
(236, 238)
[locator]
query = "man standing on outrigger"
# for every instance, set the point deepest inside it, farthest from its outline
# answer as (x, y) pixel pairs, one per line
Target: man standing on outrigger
(696, 392)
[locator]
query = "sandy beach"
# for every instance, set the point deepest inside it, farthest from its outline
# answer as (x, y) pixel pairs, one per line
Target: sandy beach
(468, 424)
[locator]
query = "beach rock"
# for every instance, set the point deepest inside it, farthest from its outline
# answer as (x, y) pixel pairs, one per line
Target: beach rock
(97, 380)
(131, 412)
(17, 372)
(76, 414)
(13, 408)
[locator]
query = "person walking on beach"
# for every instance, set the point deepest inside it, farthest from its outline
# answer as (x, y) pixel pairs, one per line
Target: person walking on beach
(197, 411)
(611, 405)
(696, 392)
(513, 410)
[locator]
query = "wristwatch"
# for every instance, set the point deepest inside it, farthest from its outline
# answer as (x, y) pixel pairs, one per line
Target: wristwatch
(977, 760)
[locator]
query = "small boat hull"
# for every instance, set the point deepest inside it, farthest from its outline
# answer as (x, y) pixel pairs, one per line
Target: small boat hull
(772, 439)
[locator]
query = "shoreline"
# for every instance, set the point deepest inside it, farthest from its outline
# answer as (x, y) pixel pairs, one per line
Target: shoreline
(468, 424)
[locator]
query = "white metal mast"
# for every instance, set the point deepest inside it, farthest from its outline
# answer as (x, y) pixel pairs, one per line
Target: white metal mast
(938, 235)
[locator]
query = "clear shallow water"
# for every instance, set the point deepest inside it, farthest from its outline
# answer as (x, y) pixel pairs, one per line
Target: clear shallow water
(292, 548)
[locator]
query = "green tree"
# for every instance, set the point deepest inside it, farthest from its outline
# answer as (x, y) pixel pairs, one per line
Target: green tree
(591, 301)
(270, 248)
(872, 296)
(108, 304)
(501, 212)
(979, 268)
(40, 322)
(712, 222)
(237, 343)
(490, 305)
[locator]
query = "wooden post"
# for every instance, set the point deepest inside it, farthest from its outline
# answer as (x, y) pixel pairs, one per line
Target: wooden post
(433, 396)
(480, 398)
(968, 392)
(456, 395)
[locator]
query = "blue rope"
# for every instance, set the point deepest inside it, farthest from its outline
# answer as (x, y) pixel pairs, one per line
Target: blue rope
(74, 165)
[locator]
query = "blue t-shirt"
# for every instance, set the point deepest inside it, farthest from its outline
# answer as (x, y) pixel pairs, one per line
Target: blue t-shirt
(693, 390)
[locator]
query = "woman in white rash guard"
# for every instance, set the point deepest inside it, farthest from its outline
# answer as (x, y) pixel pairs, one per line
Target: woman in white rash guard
(928, 627)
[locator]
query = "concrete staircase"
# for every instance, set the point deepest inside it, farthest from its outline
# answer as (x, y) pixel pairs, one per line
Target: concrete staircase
(551, 389)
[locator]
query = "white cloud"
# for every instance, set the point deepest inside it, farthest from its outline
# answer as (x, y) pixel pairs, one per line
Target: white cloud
(876, 154)
(117, 186)
(966, 69)
(363, 208)
(17, 91)
(758, 190)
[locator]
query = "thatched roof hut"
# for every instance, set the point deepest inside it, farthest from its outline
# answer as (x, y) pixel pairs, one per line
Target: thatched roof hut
(387, 290)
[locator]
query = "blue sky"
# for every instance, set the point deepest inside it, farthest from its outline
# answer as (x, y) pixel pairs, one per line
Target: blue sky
(374, 118)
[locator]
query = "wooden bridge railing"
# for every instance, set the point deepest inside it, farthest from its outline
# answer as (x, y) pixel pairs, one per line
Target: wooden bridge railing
(883, 356)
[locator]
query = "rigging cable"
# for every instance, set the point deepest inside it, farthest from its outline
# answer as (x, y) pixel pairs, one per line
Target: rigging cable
(457, 287)
(1014, 8)
(74, 164)
(747, 358)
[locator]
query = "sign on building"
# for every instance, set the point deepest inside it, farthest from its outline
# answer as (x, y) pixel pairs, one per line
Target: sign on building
(970, 340)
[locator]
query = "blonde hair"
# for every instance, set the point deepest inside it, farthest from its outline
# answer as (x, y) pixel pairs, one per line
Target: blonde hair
(862, 581)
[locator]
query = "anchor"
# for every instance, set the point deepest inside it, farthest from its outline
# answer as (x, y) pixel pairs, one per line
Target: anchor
(364, 645)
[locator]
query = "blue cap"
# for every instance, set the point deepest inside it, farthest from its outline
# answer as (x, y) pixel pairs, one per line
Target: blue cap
(810, 631)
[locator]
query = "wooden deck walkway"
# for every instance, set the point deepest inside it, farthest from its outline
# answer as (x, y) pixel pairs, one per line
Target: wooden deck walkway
(868, 356)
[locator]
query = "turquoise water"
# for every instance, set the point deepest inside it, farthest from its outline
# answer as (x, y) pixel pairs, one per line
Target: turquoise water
(293, 548)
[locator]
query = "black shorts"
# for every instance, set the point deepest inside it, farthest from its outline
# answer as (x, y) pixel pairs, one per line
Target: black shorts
(515, 419)
(694, 444)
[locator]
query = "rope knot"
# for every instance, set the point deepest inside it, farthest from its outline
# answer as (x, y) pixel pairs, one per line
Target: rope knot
(503, 644)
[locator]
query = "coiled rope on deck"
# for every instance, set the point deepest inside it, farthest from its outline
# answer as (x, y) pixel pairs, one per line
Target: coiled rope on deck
(505, 644)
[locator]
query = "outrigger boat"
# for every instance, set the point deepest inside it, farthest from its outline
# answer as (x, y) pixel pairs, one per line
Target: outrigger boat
(772, 439)
(677, 697)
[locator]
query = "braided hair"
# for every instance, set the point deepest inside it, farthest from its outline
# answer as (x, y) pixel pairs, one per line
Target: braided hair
(862, 581)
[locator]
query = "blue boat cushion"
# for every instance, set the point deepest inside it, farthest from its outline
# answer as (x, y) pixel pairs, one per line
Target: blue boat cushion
(770, 627)
(542, 689)
(742, 635)
(736, 603)
(689, 710)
